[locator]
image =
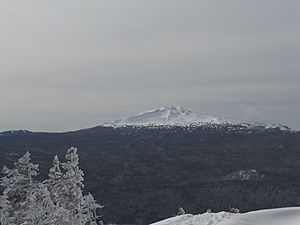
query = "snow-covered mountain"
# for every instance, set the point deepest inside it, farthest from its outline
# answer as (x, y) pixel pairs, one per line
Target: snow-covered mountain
(282, 216)
(15, 132)
(169, 116)
(175, 117)
(179, 116)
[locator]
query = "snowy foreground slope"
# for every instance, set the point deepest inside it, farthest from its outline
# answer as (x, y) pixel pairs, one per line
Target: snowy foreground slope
(282, 216)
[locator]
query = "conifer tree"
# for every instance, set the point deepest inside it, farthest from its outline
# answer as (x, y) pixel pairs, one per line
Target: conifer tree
(41, 209)
(59, 200)
(73, 181)
(89, 209)
(19, 186)
(55, 181)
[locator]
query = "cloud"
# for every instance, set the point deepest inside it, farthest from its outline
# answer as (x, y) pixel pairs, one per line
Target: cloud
(99, 60)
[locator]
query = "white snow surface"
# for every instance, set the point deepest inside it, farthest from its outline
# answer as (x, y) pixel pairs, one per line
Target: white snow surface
(280, 216)
(179, 116)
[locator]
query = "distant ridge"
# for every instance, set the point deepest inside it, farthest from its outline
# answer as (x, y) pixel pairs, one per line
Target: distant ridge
(171, 117)
(16, 132)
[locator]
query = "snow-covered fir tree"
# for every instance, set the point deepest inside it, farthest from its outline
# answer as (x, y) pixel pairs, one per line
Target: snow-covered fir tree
(71, 190)
(42, 209)
(55, 185)
(19, 188)
(59, 200)
(55, 180)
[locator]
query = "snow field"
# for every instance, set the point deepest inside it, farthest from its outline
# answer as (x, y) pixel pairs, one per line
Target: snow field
(281, 216)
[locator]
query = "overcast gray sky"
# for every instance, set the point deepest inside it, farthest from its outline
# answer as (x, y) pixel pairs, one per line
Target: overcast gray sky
(69, 64)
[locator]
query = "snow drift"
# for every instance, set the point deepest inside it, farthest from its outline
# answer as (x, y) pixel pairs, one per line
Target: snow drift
(281, 216)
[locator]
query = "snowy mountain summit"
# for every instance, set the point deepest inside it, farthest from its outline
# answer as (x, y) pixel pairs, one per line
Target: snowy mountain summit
(170, 116)
(179, 116)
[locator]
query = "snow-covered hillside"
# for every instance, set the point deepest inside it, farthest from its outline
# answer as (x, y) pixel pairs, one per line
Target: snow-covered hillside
(15, 132)
(170, 116)
(178, 116)
(283, 216)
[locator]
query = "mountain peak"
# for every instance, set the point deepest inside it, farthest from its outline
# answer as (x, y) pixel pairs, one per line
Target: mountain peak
(173, 116)
(179, 116)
